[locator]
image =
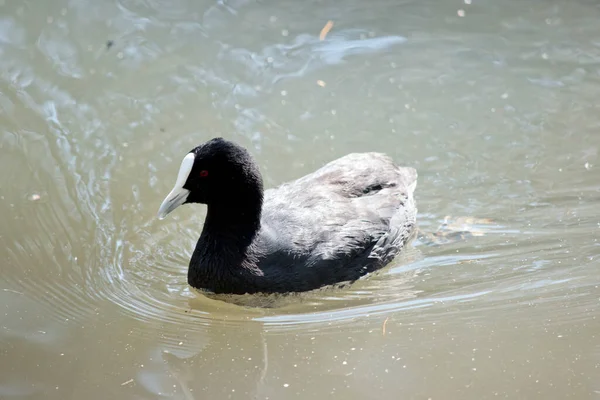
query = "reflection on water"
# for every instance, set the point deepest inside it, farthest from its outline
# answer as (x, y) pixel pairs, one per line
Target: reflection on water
(495, 104)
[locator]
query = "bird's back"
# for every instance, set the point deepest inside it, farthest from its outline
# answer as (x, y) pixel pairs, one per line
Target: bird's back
(350, 217)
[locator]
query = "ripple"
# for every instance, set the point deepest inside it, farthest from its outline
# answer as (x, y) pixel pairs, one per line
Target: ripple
(11, 33)
(60, 52)
(305, 54)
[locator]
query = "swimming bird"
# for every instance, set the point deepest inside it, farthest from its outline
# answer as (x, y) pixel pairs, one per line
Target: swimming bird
(350, 217)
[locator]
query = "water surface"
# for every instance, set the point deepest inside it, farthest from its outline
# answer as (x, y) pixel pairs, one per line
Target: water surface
(494, 102)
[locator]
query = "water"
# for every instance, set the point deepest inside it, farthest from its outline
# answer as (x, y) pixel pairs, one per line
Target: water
(494, 102)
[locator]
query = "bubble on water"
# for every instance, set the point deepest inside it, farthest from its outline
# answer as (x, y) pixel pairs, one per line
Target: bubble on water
(34, 197)
(587, 166)
(286, 385)
(504, 96)
(284, 93)
(545, 56)
(272, 18)
(49, 19)
(461, 13)
(285, 32)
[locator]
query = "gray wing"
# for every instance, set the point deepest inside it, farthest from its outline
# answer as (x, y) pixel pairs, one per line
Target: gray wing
(355, 208)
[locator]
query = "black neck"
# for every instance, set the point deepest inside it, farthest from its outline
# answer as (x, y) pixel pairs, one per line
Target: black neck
(233, 224)
(224, 245)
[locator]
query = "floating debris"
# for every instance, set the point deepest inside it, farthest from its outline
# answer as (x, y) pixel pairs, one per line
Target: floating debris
(321, 83)
(325, 30)
(127, 382)
(109, 44)
(35, 197)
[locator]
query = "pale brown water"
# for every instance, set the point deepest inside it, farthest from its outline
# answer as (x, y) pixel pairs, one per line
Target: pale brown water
(498, 109)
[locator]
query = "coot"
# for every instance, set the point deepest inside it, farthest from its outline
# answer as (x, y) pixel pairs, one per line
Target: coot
(348, 218)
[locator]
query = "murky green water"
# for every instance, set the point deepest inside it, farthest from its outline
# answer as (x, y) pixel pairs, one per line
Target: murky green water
(494, 102)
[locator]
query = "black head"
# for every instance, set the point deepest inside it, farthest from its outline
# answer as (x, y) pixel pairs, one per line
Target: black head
(216, 172)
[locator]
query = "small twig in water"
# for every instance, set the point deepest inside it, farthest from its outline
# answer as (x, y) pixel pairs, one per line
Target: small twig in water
(325, 30)
(384, 324)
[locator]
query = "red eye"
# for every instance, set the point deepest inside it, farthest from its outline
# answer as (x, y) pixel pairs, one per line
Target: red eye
(204, 173)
